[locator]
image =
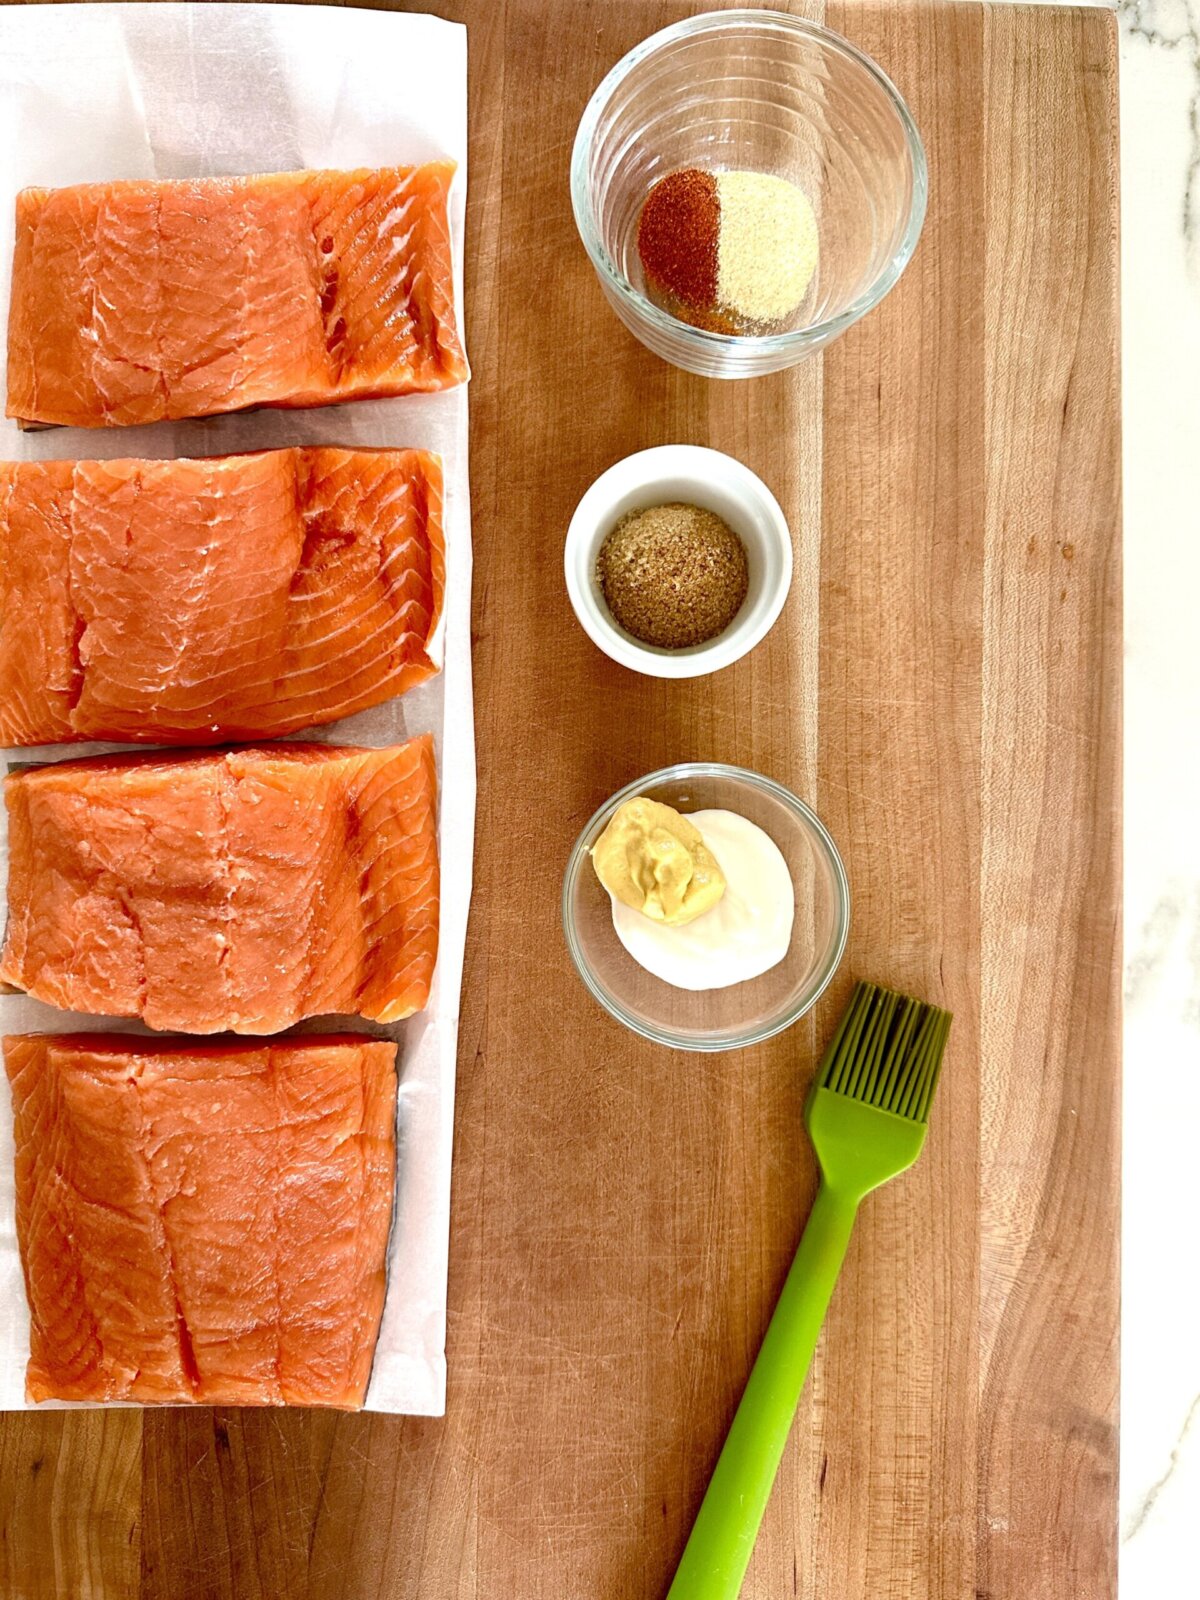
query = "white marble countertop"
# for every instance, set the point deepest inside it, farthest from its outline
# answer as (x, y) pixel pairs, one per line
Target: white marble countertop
(1160, 1363)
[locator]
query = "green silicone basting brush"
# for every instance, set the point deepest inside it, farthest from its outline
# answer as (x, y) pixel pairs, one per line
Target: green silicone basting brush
(867, 1116)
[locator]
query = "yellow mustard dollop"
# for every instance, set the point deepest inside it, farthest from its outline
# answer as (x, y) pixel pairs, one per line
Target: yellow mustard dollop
(653, 859)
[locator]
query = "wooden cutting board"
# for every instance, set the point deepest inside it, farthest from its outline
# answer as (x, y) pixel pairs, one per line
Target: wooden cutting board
(944, 687)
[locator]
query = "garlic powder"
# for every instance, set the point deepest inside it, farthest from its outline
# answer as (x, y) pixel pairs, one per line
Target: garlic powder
(766, 245)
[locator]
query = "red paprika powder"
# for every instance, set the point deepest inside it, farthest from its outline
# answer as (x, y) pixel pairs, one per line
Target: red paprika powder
(677, 237)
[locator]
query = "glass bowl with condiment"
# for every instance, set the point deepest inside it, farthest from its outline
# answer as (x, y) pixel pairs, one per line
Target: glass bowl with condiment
(747, 185)
(739, 1013)
(678, 560)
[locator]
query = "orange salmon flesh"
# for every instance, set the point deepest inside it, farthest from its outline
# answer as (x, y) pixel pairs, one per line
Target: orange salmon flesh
(245, 889)
(191, 602)
(203, 1223)
(140, 301)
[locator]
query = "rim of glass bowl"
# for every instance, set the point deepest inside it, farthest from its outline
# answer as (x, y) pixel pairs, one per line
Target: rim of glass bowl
(752, 1035)
(791, 338)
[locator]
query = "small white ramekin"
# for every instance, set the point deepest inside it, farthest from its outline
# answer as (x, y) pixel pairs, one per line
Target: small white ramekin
(695, 476)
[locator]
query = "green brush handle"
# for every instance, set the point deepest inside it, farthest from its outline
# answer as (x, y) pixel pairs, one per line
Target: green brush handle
(722, 1540)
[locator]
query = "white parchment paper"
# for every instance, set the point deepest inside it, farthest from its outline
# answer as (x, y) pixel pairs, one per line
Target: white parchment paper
(93, 92)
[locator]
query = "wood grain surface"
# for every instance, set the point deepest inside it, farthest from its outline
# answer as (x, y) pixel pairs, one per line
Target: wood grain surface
(944, 686)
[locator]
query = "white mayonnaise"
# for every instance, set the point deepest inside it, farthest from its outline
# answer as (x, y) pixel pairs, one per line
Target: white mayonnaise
(747, 932)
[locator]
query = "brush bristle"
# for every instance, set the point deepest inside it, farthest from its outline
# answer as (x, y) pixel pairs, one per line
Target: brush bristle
(887, 1052)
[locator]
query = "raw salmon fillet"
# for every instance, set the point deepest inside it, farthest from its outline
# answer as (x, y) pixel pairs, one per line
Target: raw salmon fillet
(138, 301)
(195, 601)
(243, 889)
(203, 1223)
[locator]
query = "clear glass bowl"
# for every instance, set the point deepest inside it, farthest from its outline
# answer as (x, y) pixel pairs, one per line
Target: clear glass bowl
(771, 93)
(744, 1013)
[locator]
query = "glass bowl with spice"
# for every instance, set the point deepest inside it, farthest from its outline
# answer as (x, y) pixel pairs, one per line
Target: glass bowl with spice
(678, 561)
(747, 185)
